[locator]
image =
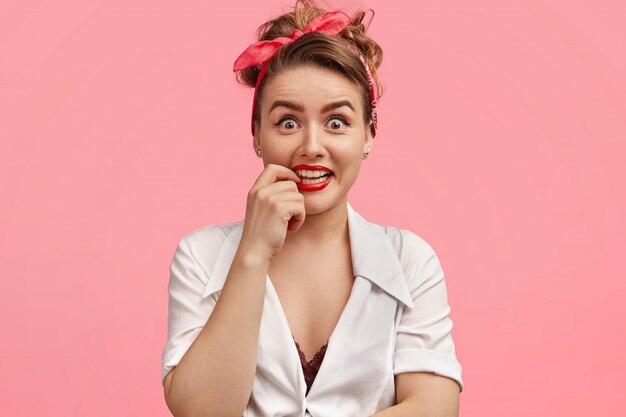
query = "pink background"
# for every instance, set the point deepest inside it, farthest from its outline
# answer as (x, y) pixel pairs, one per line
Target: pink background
(501, 142)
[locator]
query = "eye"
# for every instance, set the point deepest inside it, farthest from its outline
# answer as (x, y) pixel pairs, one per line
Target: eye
(337, 121)
(288, 126)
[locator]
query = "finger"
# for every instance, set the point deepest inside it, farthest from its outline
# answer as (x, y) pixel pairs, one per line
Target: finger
(283, 202)
(281, 187)
(273, 173)
(298, 214)
(293, 196)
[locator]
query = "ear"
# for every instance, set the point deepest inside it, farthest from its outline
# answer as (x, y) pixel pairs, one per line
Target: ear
(369, 138)
(256, 139)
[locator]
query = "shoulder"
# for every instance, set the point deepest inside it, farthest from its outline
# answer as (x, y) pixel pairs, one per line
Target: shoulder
(419, 260)
(205, 243)
(412, 249)
(409, 245)
(210, 236)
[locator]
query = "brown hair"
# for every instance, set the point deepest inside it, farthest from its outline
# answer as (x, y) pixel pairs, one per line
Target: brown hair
(338, 53)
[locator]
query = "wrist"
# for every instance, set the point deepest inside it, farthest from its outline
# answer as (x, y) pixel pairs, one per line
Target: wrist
(252, 258)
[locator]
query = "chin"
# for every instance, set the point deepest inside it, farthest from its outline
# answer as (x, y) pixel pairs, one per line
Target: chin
(314, 207)
(315, 204)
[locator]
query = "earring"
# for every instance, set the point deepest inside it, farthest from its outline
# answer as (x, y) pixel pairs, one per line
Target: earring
(258, 152)
(366, 153)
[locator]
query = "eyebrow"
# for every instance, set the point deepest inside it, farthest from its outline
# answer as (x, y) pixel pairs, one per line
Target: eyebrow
(300, 108)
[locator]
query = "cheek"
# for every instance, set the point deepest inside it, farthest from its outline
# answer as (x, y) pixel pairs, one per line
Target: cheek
(353, 157)
(281, 154)
(351, 165)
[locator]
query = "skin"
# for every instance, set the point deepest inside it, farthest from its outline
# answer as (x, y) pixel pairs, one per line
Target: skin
(215, 376)
(319, 249)
(315, 138)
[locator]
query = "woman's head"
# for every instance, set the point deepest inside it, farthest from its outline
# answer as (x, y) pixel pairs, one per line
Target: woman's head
(313, 104)
(341, 53)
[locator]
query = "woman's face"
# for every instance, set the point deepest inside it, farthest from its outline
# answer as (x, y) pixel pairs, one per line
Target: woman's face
(313, 116)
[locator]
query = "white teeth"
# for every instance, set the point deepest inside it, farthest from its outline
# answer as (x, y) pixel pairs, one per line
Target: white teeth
(311, 174)
(313, 180)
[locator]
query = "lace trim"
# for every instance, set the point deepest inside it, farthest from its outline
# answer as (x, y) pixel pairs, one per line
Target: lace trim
(310, 368)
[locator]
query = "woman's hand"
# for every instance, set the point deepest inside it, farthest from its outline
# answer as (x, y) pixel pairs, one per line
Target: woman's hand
(274, 207)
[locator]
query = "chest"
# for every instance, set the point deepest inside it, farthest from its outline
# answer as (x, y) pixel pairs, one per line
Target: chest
(313, 292)
(356, 368)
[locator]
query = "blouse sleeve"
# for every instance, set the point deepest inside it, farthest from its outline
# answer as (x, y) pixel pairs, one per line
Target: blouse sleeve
(188, 310)
(424, 339)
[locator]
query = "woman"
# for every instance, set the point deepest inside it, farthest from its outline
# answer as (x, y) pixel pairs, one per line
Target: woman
(305, 308)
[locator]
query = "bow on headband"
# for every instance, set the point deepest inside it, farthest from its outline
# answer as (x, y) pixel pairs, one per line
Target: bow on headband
(330, 23)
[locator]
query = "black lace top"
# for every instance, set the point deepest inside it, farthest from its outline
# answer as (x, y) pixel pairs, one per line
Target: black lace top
(311, 367)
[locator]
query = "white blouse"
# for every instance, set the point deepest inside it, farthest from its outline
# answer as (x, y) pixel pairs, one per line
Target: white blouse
(396, 320)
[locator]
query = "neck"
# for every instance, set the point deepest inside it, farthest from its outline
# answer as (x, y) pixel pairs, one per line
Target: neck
(323, 229)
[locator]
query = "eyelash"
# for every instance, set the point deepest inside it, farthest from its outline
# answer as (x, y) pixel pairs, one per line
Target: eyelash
(345, 122)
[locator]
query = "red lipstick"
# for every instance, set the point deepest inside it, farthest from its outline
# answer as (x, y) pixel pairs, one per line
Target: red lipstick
(311, 167)
(315, 186)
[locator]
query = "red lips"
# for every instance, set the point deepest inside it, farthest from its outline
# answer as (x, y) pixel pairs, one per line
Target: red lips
(311, 168)
(313, 187)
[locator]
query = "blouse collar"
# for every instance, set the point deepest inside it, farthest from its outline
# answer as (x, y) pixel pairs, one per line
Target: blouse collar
(373, 257)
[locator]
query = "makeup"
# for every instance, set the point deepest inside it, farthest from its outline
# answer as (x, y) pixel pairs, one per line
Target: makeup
(314, 177)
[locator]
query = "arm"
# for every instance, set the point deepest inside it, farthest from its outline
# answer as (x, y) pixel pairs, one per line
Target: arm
(424, 394)
(215, 375)
(215, 358)
(427, 374)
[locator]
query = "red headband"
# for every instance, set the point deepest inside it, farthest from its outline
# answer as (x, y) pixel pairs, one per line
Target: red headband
(330, 23)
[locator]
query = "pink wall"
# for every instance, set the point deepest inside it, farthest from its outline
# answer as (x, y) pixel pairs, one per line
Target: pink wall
(123, 129)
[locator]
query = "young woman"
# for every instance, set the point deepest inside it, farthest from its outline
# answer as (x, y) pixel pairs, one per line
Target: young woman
(304, 308)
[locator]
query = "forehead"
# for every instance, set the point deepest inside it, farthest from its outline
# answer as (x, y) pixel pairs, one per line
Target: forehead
(311, 85)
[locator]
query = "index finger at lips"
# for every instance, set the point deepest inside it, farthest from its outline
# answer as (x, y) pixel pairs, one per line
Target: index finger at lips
(273, 173)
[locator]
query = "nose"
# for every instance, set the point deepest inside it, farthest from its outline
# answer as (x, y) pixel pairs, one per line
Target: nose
(312, 145)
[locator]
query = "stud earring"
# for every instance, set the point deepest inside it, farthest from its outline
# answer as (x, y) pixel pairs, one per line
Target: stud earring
(366, 153)
(258, 152)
